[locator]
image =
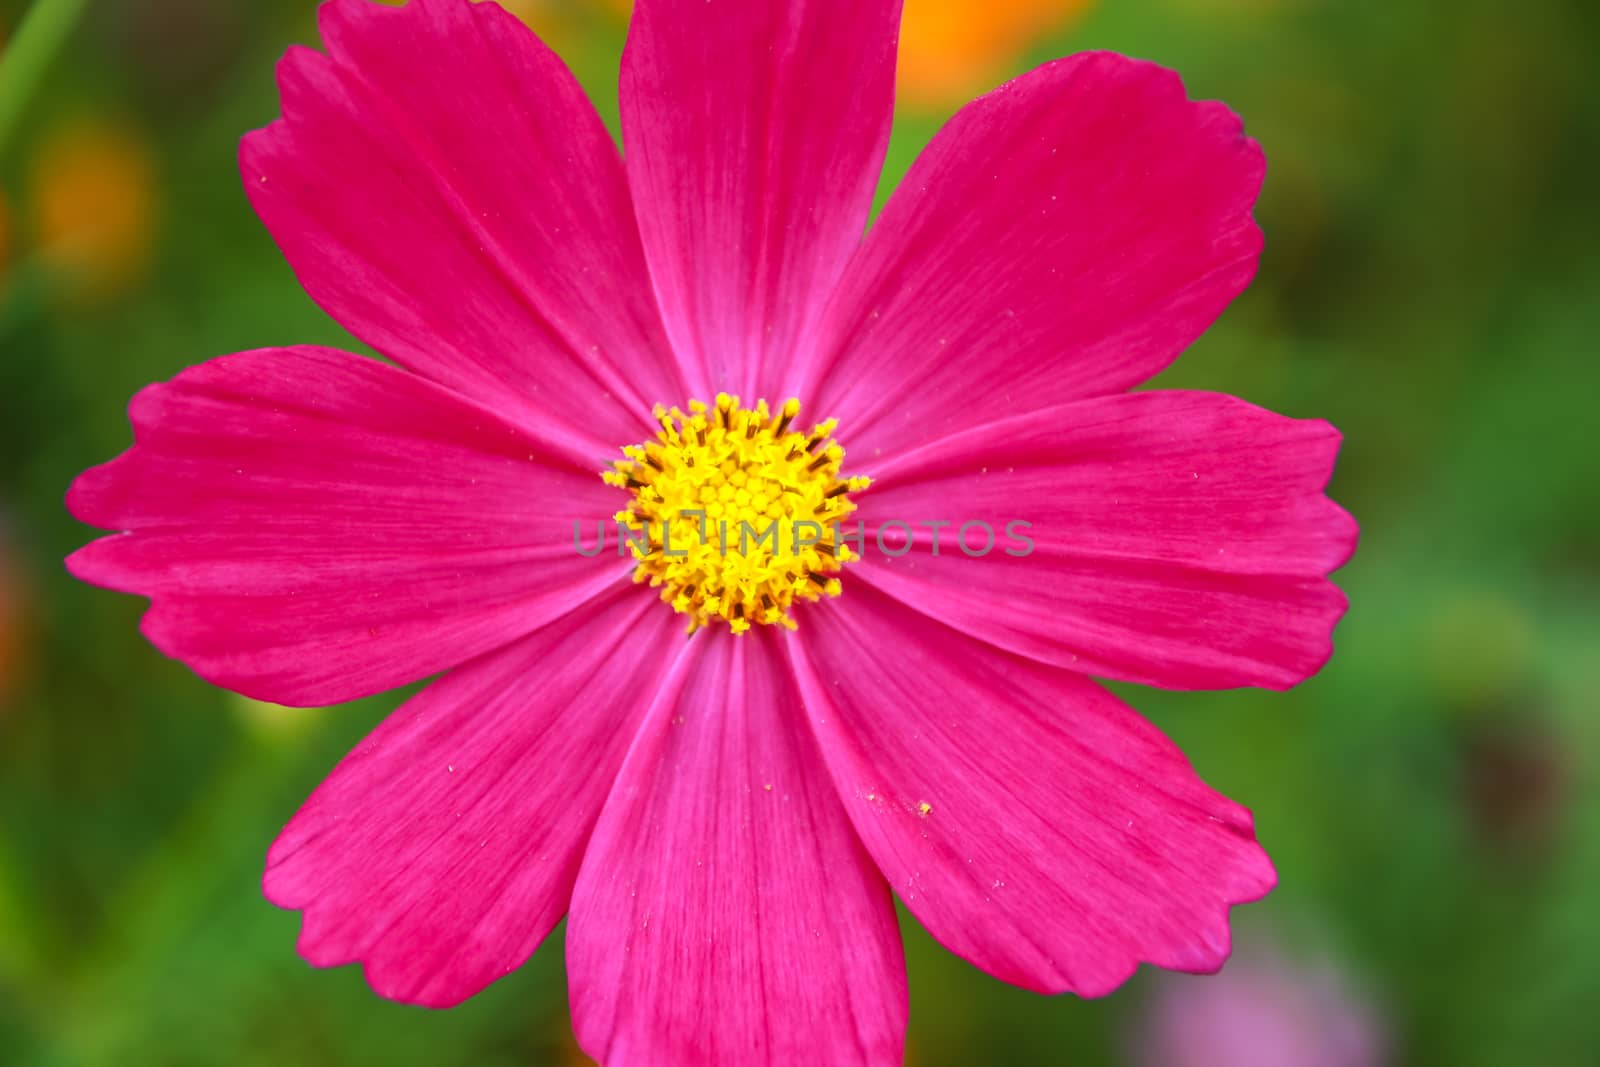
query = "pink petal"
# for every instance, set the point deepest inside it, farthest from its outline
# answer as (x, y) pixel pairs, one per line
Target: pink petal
(754, 134)
(312, 526)
(1034, 823)
(1179, 539)
(443, 188)
(1065, 236)
(725, 913)
(443, 849)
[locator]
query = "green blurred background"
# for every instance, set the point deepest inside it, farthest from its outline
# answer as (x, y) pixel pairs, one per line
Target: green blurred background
(1430, 285)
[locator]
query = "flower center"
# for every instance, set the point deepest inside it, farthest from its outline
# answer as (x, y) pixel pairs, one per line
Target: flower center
(735, 515)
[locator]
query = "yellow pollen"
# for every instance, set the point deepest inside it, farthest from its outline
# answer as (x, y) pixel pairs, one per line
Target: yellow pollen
(735, 513)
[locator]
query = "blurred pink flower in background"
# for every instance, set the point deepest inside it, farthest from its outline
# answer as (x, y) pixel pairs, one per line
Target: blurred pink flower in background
(1265, 1009)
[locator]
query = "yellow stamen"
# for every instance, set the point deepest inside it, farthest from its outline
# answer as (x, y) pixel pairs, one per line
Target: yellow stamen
(735, 513)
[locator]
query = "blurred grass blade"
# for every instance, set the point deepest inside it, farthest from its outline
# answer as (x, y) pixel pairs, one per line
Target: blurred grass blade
(43, 30)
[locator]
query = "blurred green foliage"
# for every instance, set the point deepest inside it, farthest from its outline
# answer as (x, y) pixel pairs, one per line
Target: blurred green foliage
(1429, 286)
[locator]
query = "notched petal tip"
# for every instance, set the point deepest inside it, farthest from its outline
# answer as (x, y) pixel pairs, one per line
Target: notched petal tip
(387, 977)
(1206, 951)
(440, 853)
(98, 563)
(418, 113)
(1116, 214)
(86, 498)
(1116, 854)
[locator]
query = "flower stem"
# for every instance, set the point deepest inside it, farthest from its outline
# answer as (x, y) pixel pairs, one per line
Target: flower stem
(27, 57)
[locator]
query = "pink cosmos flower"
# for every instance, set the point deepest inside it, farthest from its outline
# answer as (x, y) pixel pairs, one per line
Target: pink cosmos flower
(723, 817)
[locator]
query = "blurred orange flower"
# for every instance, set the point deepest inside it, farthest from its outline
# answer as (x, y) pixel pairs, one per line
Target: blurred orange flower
(553, 20)
(528, 11)
(92, 195)
(952, 49)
